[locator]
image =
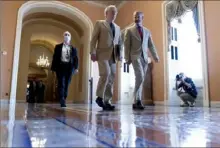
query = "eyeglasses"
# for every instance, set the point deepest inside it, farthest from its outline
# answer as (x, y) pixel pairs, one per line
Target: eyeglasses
(66, 34)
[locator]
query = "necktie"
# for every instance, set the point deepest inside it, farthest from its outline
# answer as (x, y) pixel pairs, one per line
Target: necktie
(113, 29)
(67, 52)
(140, 32)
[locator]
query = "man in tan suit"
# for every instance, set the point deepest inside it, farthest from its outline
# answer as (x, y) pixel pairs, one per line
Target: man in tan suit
(106, 37)
(137, 41)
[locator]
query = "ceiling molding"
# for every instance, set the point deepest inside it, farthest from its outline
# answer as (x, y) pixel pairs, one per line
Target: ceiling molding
(104, 4)
(121, 4)
(75, 34)
(96, 4)
(48, 45)
(57, 23)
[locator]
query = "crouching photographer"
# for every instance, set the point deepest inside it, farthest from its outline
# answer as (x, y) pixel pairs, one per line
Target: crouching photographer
(186, 90)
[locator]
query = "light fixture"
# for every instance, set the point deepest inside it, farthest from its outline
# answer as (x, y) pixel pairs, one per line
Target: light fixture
(28, 85)
(43, 61)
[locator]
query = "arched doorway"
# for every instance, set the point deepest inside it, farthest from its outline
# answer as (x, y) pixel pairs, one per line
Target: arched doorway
(60, 8)
(169, 89)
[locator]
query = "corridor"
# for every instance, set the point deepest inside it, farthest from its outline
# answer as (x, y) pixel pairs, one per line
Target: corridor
(29, 33)
(87, 126)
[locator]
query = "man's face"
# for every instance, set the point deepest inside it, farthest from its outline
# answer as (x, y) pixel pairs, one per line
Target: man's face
(138, 18)
(67, 36)
(111, 15)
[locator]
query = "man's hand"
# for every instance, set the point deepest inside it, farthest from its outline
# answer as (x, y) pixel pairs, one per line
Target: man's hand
(188, 85)
(157, 60)
(183, 79)
(76, 71)
(185, 83)
(128, 62)
(93, 57)
(121, 58)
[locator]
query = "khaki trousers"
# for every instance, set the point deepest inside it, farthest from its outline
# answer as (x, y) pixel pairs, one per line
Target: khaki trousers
(140, 69)
(107, 70)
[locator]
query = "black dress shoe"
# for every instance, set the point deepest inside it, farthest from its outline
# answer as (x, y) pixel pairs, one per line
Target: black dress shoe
(138, 105)
(100, 102)
(108, 107)
(63, 105)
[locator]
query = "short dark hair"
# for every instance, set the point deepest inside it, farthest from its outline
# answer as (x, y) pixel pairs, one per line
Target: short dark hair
(179, 76)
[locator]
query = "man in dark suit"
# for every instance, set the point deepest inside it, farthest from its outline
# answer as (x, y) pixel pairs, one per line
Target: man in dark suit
(40, 91)
(65, 64)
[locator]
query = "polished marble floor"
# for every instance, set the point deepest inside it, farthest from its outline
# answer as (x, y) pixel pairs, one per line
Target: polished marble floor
(48, 125)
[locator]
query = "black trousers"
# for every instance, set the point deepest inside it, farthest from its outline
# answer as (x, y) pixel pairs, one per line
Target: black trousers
(64, 75)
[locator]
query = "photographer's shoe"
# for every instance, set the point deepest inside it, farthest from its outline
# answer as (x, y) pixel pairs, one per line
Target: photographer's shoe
(192, 104)
(185, 105)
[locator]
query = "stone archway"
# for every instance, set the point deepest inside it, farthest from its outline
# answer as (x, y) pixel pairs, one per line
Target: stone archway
(54, 7)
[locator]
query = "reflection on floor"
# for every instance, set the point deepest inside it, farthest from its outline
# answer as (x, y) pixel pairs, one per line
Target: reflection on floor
(88, 126)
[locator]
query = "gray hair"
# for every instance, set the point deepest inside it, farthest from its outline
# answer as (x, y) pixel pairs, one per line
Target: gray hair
(66, 32)
(110, 7)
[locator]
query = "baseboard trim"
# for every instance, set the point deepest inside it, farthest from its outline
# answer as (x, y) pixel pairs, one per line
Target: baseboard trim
(20, 101)
(159, 103)
(4, 101)
(215, 104)
(68, 101)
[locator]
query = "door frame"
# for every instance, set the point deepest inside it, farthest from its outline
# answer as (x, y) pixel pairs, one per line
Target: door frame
(65, 9)
(206, 100)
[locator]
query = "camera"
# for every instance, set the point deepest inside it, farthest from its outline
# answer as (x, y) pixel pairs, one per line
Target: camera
(179, 76)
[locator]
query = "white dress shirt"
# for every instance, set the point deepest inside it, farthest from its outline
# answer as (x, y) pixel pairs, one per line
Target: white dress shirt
(65, 53)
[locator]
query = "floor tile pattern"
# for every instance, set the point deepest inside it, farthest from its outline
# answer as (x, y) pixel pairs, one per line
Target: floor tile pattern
(48, 125)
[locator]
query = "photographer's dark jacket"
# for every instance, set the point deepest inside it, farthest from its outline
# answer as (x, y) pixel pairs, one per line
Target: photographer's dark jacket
(192, 91)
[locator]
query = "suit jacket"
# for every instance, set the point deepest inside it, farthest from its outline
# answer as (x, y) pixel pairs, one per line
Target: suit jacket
(56, 62)
(134, 46)
(102, 41)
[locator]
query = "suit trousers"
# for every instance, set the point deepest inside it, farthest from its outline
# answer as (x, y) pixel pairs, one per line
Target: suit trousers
(107, 70)
(140, 69)
(64, 78)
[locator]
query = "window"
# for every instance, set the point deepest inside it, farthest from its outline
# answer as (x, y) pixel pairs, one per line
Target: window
(176, 53)
(172, 33)
(174, 43)
(175, 34)
(172, 52)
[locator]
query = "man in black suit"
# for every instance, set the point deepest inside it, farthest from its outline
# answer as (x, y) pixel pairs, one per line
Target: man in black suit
(40, 88)
(65, 64)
